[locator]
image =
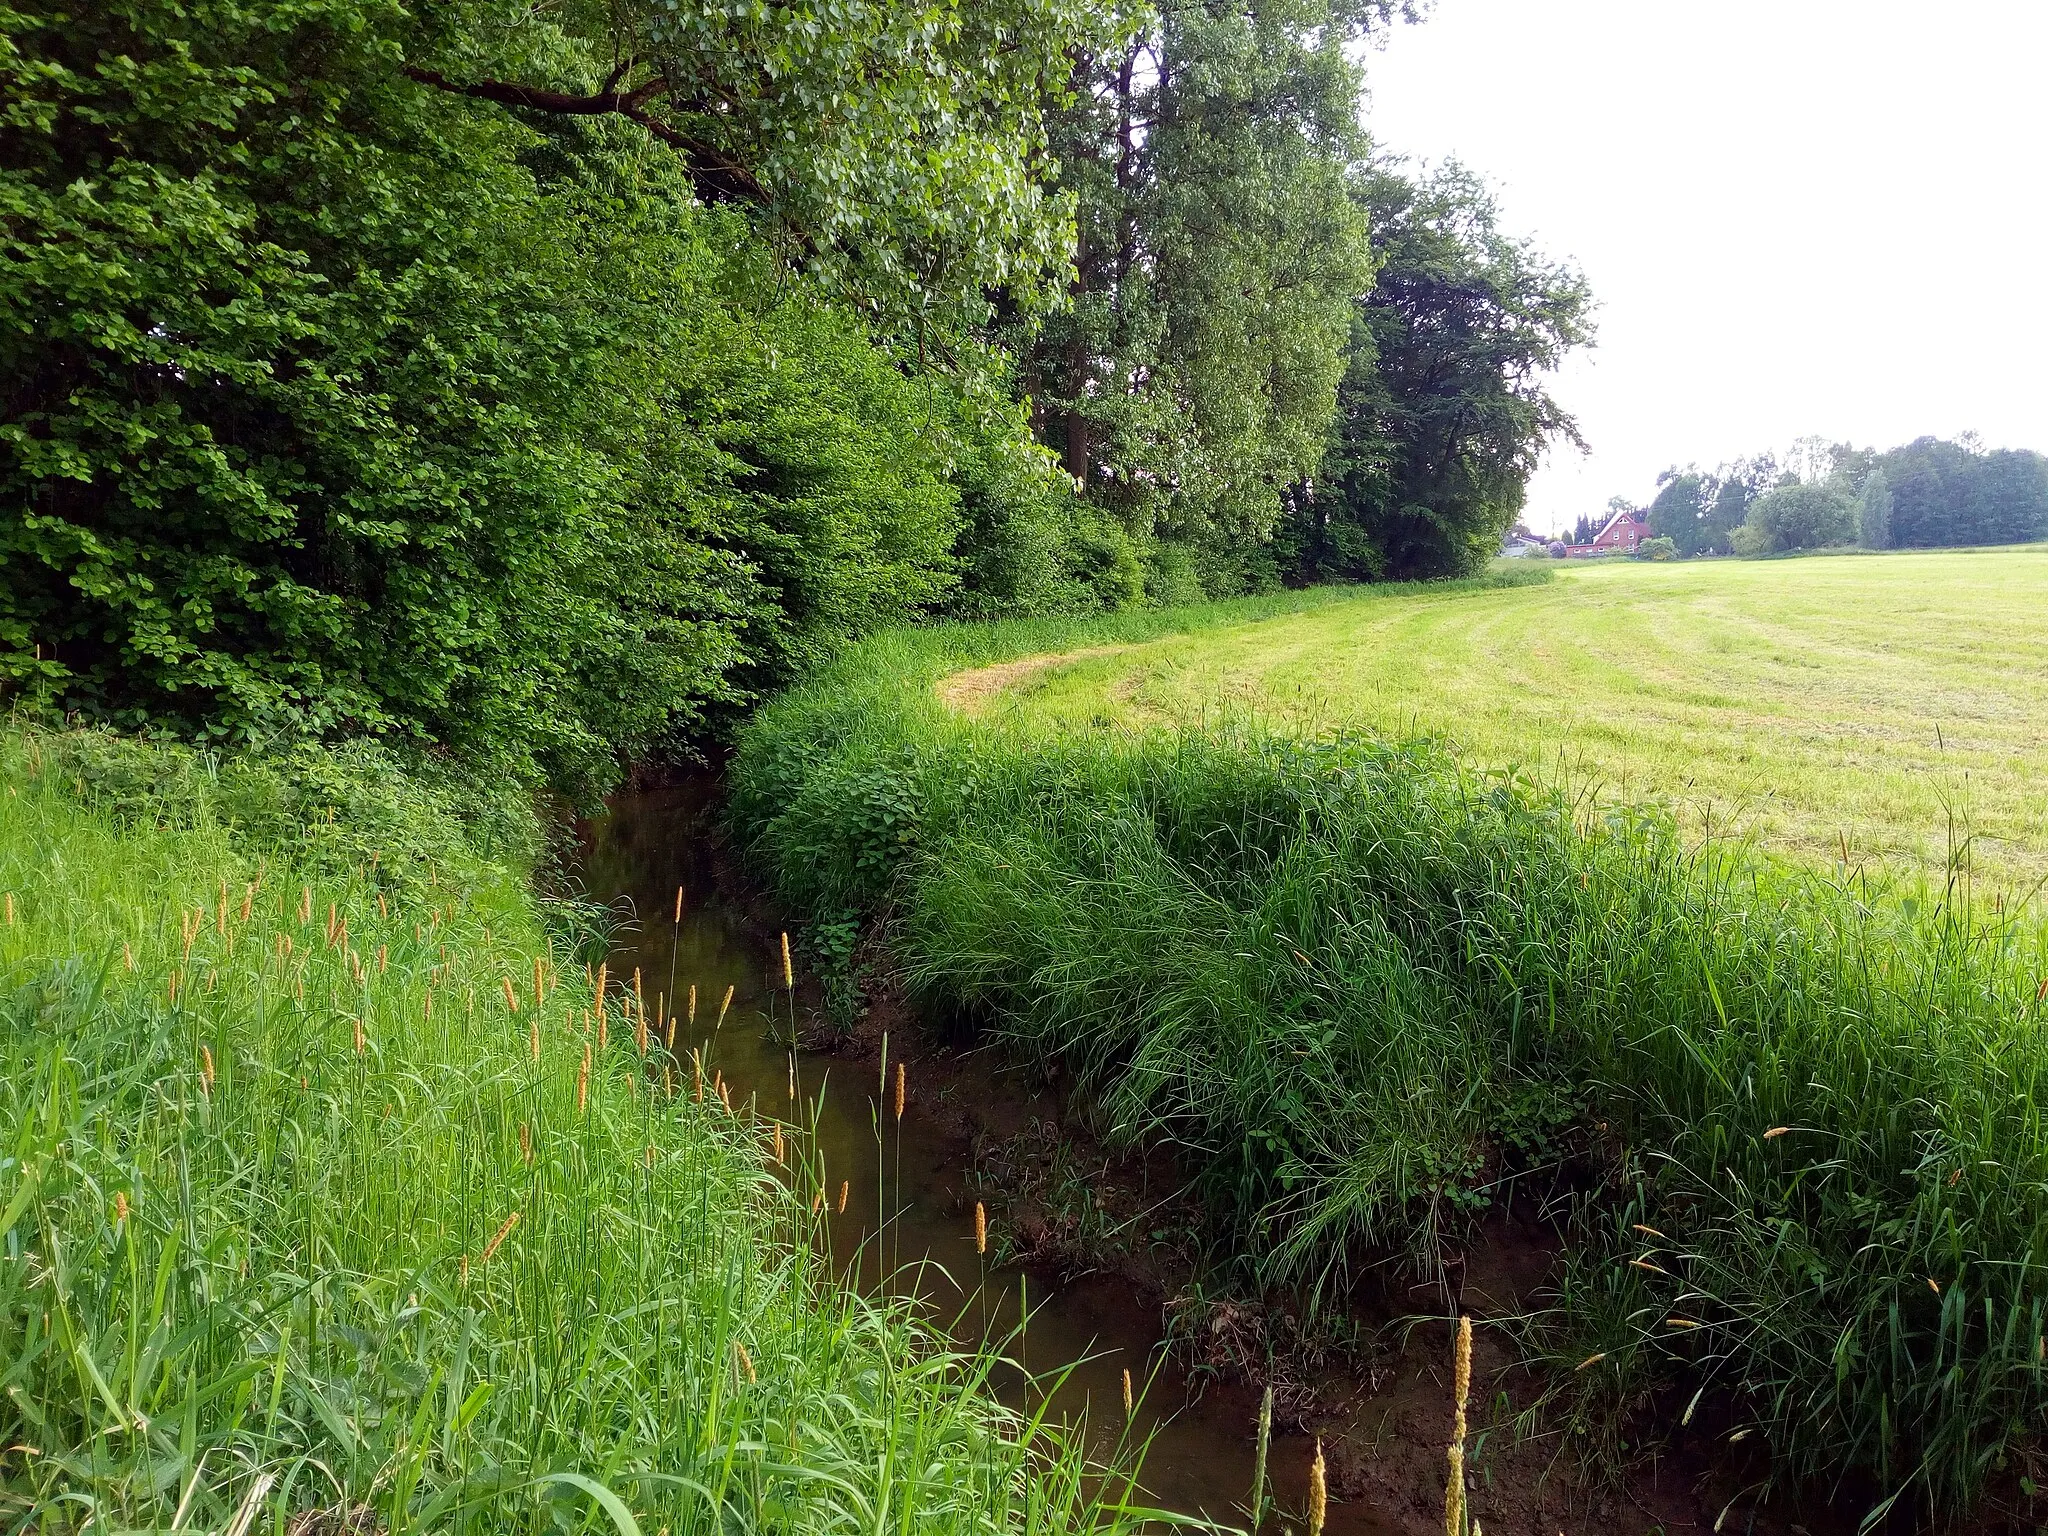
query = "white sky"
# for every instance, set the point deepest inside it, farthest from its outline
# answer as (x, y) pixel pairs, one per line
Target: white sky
(1798, 216)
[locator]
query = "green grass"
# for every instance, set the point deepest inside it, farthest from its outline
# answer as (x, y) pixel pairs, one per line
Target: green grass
(1788, 1114)
(1866, 705)
(266, 1123)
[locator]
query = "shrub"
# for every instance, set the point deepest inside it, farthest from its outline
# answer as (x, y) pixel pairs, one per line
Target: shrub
(1796, 517)
(1657, 549)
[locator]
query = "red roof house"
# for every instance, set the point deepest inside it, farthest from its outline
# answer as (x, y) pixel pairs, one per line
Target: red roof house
(1624, 531)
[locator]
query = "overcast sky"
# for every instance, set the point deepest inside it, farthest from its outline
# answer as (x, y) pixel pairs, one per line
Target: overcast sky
(1798, 216)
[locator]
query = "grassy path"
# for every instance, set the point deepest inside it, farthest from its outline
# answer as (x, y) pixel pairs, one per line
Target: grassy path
(1819, 704)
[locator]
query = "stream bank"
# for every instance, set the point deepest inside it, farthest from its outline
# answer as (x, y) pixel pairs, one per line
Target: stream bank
(1096, 1243)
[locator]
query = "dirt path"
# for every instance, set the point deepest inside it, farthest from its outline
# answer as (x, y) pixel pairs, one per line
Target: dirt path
(973, 692)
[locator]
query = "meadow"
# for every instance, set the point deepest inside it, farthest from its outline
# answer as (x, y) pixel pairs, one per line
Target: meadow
(337, 1195)
(1884, 709)
(1782, 1113)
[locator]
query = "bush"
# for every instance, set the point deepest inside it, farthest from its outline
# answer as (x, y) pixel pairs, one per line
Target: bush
(1657, 549)
(1366, 993)
(1796, 517)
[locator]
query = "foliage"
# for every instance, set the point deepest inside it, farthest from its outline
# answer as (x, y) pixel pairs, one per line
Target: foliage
(1217, 258)
(304, 1229)
(1699, 511)
(1443, 413)
(895, 148)
(1946, 493)
(1874, 511)
(1349, 979)
(1795, 517)
(334, 402)
(1657, 549)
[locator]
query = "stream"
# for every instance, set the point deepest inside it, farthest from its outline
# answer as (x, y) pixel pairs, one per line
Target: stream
(903, 1218)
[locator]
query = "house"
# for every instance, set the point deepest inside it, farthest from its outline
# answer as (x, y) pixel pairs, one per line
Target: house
(1519, 543)
(1624, 531)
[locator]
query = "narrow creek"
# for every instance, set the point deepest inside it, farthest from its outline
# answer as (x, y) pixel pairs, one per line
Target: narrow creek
(909, 1215)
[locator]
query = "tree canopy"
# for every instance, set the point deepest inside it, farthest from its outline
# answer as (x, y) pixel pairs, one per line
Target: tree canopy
(1445, 410)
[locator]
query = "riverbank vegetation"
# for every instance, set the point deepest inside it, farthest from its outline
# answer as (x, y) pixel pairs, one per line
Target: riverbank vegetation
(335, 1198)
(1782, 1116)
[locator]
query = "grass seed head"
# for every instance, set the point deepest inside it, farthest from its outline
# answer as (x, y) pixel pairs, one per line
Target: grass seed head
(511, 997)
(845, 1186)
(980, 1227)
(1318, 1492)
(498, 1238)
(1127, 1392)
(721, 1007)
(788, 974)
(746, 1360)
(899, 1090)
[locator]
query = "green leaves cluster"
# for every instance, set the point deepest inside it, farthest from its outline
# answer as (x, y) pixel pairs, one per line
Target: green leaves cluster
(335, 401)
(1445, 409)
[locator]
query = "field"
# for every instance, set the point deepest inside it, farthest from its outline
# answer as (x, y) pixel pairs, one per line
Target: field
(1867, 706)
(1784, 1118)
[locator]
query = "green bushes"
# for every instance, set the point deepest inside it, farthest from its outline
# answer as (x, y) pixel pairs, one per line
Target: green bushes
(1369, 996)
(301, 1226)
(332, 403)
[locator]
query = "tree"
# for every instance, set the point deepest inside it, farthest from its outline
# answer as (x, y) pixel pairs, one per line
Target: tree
(1874, 511)
(1217, 260)
(1955, 493)
(334, 401)
(1678, 512)
(893, 146)
(1797, 517)
(1445, 410)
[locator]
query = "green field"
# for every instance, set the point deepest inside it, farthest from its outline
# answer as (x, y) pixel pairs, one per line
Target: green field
(1818, 704)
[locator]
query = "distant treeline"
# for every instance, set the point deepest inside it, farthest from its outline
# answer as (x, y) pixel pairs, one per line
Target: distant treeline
(546, 384)
(1927, 494)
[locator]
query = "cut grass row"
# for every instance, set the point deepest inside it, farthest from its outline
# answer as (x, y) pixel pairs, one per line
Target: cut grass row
(1870, 707)
(327, 1204)
(1792, 1123)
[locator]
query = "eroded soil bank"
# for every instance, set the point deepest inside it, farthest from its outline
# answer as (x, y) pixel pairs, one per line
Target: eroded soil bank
(1106, 1249)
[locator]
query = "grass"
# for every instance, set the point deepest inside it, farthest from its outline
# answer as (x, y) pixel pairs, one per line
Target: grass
(305, 1227)
(1859, 705)
(1785, 1116)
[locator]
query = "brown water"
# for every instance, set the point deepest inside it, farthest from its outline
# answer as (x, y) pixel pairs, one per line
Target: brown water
(908, 1224)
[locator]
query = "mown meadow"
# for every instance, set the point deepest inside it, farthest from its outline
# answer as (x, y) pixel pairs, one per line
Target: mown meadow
(1886, 708)
(1783, 1114)
(337, 1195)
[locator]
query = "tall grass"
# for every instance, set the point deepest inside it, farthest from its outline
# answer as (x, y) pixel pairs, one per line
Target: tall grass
(313, 1217)
(1369, 993)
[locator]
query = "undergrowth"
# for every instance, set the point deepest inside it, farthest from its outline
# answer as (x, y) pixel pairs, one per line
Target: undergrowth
(1787, 1120)
(333, 1198)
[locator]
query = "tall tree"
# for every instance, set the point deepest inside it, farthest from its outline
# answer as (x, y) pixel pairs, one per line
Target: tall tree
(1874, 511)
(1217, 260)
(1446, 409)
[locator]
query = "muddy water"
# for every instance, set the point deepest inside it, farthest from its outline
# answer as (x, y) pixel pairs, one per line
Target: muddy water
(908, 1224)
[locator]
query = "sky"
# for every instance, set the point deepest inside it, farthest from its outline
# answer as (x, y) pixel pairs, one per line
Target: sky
(1797, 216)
